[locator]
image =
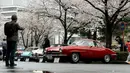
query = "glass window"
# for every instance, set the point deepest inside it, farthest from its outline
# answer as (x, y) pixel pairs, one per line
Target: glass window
(83, 43)
(97, 44)
(8, 14)
(79, 42)
(10, 9)
(88, 43)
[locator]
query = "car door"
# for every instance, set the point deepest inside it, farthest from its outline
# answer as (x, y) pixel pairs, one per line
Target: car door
(89, 49)
(98, 50)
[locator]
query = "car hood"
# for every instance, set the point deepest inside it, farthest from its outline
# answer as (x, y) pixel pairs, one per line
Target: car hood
(65, 47)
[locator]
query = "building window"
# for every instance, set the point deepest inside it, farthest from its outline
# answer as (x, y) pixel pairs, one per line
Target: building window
(9, 9)
(8, 14)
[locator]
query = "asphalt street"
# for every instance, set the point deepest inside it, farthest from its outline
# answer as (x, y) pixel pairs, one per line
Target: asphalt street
(33, 67)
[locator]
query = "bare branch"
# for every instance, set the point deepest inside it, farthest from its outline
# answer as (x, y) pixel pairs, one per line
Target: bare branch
(121, 5)
(95, 6)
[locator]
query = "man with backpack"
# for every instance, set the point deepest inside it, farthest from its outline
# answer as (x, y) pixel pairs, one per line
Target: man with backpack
(11, 31)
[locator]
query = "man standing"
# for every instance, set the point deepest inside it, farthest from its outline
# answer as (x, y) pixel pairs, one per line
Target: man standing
(4, 48)
(46, 44)
(11, 31)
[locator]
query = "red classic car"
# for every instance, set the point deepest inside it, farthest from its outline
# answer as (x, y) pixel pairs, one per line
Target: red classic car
(84, 49)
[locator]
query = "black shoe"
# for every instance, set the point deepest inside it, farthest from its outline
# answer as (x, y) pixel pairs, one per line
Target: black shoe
(13, 65)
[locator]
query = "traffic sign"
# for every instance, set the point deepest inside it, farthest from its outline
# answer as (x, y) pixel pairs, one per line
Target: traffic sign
(122, 26)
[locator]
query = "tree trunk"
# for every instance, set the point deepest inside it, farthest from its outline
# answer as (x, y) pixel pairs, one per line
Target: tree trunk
(31, 39)
(108, 36)
(65, 28)
(36, 43)
(65, 37)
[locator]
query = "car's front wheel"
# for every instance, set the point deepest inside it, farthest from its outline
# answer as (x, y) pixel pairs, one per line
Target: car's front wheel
(75, 57)
(106, 59)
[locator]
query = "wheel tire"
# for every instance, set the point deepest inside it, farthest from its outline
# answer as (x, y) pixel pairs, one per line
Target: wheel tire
(75, 57)
(106, 59)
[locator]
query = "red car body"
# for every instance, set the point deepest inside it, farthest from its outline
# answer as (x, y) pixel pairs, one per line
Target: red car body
(88, 51)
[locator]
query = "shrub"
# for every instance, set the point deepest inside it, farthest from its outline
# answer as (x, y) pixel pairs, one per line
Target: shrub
(122, 56)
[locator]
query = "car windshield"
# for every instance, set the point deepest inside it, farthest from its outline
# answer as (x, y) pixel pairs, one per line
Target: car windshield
(83, 43)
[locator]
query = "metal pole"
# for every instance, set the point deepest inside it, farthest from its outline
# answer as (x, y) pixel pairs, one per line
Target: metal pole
(123, 40)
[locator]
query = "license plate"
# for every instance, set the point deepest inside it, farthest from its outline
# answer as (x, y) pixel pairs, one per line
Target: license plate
(49, 57)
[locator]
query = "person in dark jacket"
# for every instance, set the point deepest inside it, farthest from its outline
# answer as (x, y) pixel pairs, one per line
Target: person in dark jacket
(4, 48)
(11, 31)
(121, 42)
(46, 44)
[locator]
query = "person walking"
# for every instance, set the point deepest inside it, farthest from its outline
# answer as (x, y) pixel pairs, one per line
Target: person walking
(46, 44)
(4, 48)
(128, 49)
(11, 31)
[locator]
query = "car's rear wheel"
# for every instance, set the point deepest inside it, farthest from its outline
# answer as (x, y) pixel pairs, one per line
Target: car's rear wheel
(106, 59)
(75, 57)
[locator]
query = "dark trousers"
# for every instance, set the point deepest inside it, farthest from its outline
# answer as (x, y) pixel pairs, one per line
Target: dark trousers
(11, 49)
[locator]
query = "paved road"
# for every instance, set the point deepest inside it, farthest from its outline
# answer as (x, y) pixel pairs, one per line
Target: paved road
(33, 67)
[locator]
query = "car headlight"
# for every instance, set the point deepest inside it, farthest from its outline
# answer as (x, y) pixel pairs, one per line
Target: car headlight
(60, 50)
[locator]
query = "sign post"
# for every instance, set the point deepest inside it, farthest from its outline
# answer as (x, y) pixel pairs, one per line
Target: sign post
(123, 28)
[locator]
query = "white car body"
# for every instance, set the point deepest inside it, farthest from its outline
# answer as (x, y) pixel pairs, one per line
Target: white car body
(38, 51)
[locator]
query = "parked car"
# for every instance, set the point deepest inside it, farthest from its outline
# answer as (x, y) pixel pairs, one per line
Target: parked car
(28, 53)
(83, 49)
(18, 53)
(38, 52)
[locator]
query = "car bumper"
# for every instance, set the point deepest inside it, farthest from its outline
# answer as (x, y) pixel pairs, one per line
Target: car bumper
(114, 56)
(52, 56)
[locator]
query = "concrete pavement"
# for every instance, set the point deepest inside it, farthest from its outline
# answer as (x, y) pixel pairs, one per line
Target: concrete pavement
(33, 67)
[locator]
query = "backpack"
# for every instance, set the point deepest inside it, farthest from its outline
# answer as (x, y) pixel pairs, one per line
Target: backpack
(9, 30)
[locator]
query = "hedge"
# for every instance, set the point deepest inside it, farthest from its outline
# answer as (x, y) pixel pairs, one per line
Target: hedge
(122, 56)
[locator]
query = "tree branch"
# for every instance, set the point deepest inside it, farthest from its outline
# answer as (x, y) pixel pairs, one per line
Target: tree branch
(95, 6)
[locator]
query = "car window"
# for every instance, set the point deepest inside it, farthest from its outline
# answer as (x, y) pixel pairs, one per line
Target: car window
(88, 43)
(97, 44)
(79, 42)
